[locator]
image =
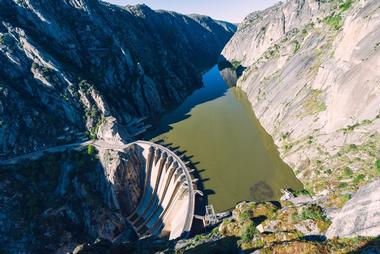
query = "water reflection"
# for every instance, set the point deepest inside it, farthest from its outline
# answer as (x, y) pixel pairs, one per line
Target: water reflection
(213, 88)
(230, 72)
(261, 191)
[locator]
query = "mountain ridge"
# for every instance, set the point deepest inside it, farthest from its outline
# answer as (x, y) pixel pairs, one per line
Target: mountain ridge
(88, 66)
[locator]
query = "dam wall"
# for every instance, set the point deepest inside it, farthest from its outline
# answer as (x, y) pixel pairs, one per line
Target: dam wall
(166, 207)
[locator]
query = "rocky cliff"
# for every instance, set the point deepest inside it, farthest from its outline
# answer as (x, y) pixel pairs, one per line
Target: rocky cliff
(311, 72)
(74, 66)
(62, 200)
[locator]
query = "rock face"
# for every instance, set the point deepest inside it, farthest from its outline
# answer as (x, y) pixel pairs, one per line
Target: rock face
(53, 204)
(125, 173)
(311, 75)
(67, 67)
(360, 216)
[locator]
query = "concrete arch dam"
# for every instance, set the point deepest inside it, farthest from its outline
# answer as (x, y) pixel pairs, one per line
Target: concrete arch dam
(166, 206)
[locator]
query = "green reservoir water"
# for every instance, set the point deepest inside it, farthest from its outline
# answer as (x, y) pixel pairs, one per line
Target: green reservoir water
(237, 159)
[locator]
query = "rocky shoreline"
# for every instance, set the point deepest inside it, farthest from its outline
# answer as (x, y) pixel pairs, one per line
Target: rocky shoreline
(303, 70)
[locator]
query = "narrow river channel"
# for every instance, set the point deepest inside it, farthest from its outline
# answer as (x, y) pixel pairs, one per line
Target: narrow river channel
(237, 159)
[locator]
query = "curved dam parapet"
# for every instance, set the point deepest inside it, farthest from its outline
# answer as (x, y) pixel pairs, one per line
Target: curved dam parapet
(166, 206)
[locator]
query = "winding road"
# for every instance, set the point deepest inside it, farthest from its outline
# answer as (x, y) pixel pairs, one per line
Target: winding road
(100, 144)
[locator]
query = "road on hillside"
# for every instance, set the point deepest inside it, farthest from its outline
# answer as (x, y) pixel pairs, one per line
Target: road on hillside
(99, 144)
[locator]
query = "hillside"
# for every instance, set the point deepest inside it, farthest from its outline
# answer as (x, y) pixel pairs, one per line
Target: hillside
(311, 74)
(70, 69)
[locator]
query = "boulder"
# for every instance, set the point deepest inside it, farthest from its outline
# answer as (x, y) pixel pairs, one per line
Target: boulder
(360, 216)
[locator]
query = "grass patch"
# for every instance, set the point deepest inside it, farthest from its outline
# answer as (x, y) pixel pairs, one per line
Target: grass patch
(249, 231)
(358, 179)
(347, 171)
(313, 213)
(350, 128)
(346, 5)
(313, 103)
(334, 21)
(344, 198)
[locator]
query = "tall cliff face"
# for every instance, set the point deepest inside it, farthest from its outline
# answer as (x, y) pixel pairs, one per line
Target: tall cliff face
(312, 77)
(72, 66)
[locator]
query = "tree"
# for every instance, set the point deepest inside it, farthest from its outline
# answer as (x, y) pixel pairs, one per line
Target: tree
(90, 150)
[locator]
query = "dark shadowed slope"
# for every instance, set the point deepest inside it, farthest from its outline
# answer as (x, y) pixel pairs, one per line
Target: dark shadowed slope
(72, 66)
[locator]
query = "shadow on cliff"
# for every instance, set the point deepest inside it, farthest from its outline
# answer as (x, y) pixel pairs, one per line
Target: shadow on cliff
(372, 246)
(227, 245)
(213, 88)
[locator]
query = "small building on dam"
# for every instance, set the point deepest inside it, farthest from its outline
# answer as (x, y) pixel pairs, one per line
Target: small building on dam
(166, 204)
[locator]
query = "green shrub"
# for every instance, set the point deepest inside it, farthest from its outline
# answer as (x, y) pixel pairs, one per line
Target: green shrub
(301, 192)
(358, 179)
(313, 213)
(249, 231)
(345, 198)
(274, 51)
(345, 6)
(296, 46)
(83, 85)
(351, 127)
(335, 21)
(235, 64)
(46, 70)
(347, 171)
(285, 135)
(378, 166)
(245, 215)
(197, 238)
(288, 147)
(90, 150)
(94, 112)
(342, 185)
(353, 146)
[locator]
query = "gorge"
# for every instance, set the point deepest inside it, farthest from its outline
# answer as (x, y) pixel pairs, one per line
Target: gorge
(238, 161)
(118, 124)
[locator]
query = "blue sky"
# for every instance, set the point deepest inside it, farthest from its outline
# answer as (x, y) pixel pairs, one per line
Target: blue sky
(229, 10)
